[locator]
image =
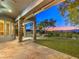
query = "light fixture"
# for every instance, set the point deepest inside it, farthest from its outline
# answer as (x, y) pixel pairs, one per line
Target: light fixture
(10, 10)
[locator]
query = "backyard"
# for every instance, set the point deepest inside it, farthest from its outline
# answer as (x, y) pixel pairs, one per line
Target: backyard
(67, 46)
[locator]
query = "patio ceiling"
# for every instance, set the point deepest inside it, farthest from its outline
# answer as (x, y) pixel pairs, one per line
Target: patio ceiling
(13, 7)
(42, 6)
(26, 8)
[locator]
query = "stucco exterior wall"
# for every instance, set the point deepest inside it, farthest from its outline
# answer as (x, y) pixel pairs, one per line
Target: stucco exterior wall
(6, 29)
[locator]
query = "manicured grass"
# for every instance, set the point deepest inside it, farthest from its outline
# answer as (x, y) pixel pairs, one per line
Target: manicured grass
(70, 47)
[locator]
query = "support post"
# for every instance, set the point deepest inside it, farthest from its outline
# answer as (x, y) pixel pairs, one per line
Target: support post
(24, 30)
(20, 30)
(34, 29)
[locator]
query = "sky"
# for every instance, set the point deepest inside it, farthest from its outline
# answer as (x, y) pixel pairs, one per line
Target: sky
(52, 12)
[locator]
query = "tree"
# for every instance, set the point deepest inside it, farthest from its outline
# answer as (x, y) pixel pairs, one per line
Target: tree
(71, 8)
(46, 23)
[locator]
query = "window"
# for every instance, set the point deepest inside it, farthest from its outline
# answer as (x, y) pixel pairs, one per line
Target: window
(8, 27)
(1, 27)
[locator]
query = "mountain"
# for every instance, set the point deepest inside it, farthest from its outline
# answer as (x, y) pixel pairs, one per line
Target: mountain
(73, 30)
(65, 29)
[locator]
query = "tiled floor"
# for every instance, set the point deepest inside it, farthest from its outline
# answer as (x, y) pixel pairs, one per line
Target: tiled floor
(29, 50)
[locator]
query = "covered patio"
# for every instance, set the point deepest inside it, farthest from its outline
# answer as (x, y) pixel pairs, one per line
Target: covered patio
(14, 14)
(29, 15)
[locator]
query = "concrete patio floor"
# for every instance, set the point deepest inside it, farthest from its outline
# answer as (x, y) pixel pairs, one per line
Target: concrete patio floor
(29, 50)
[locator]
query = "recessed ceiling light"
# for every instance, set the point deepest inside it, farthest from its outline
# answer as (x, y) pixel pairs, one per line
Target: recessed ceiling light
(10, 10)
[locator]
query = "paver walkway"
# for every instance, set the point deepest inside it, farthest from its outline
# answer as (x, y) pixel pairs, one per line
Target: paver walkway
(29, 50)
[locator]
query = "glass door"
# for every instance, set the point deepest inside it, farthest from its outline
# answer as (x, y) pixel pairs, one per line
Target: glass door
(1, 27)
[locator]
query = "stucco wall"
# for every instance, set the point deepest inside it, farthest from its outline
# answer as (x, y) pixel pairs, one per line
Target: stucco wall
(7, 29)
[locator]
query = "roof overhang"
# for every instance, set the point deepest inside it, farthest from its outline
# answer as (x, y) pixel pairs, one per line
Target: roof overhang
(36, 7)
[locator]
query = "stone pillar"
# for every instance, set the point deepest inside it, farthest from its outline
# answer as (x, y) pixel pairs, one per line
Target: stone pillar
(34, 29)
(20, 30)
(24, 30)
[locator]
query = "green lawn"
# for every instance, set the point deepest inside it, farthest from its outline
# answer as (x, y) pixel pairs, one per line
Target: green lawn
(70, 47)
